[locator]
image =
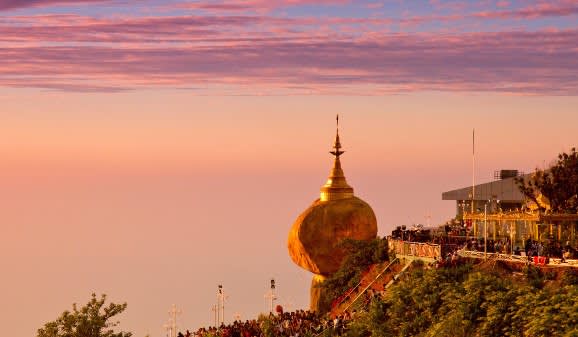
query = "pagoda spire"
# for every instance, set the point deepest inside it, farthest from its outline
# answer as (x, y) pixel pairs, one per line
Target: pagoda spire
(336, 186)
(337, 144)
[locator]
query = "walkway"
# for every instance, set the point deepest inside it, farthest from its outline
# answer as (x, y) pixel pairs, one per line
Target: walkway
(552, 262)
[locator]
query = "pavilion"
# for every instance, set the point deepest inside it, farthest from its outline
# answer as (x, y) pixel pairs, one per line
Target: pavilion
(498, 211)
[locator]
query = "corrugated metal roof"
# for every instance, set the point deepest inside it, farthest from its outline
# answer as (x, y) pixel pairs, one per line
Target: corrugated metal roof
(505, 190)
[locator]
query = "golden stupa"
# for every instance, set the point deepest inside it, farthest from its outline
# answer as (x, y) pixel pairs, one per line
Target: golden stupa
(315, 236)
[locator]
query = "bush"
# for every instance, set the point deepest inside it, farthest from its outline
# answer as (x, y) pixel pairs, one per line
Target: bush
(360, 256)
(570, 277)
(534, 276)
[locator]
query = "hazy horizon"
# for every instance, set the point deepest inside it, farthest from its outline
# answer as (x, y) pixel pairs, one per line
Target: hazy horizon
(152, 151)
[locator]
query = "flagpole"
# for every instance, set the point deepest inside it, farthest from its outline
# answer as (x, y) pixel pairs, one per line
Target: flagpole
(473, 167)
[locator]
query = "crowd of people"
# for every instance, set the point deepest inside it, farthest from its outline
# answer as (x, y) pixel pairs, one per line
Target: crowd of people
(307, 323)
(291, 324)
(455, 234)
(502, 246)
(547, 248)
(451, 259)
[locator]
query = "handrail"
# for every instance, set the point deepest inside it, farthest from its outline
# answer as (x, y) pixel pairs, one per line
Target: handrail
(364, 290)
(348, 293)
(512, 258)
(397, 275)
(370, 284)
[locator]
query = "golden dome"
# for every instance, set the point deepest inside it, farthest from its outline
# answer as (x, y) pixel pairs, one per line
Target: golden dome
(315, 236)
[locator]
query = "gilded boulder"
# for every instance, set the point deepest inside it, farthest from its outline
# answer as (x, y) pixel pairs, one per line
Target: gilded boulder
(315, 236)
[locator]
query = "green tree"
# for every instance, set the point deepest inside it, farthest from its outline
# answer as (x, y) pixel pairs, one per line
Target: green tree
(360, 256)
(559, 184)
(554, 313)
(92, 320)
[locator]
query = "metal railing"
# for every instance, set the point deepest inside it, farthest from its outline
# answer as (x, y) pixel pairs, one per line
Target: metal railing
(369, 285)
(514, 258)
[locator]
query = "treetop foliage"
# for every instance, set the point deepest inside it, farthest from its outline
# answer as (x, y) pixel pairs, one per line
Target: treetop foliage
(92, 320)
(462, 301)
(360, 256)
(558, 184)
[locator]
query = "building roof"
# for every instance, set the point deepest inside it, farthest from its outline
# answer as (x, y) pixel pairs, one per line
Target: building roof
(503, 190)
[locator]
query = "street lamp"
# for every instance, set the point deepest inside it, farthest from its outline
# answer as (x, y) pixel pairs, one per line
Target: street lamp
(171, 325)
(486, 231)
(215, 311)
(220, 305)
(271, 295)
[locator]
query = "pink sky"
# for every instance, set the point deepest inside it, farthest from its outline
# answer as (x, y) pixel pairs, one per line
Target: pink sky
(154, 151)
(156, 197)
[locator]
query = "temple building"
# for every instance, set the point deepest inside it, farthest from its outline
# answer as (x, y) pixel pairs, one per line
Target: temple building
(336, 215)
(498, 211)
(501, 192)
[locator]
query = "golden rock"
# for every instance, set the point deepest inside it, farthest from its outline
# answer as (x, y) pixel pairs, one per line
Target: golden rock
(336, 215)
(317, 297)
(315, 235)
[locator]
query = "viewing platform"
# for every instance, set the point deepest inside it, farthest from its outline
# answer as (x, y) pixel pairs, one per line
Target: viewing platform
(430, 252)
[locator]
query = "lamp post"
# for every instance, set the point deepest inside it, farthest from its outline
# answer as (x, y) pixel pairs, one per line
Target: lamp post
(464, 223)
(171, 325)
(271, 295)
(512, 236)
(169, 328)
(215, 311)
(220, 305)
(485, 230)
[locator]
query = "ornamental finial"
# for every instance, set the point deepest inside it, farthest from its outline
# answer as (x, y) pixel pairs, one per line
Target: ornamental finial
(336, 186)
(337, 144)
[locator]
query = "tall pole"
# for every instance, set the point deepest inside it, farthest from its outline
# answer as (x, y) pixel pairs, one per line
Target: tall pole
(173, 320)
(214, 310)
(486, 231)
(512, 235)
(220, 305)
(270, 296)
(473, 168)
(219, 299)
(168, 327)
(272, 293)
